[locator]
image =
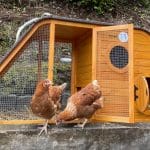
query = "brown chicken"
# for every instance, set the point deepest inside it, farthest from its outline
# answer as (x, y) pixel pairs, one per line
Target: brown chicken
(46, 100)
(82, 104)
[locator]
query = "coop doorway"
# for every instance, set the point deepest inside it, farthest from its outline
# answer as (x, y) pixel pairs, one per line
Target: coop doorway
(72, 58)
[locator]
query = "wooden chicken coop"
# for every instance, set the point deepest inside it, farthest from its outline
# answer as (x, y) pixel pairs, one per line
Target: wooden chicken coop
(117, 56)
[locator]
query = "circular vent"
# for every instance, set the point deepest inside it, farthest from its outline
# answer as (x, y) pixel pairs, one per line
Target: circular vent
(119, 57)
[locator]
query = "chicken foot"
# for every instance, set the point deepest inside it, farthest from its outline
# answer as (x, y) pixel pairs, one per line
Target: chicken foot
(44, 128)
(83, 124)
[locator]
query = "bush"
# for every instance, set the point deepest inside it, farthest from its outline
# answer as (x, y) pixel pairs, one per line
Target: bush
(102, 6)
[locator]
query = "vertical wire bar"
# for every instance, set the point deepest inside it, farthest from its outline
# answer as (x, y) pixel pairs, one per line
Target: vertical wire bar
(39, 59)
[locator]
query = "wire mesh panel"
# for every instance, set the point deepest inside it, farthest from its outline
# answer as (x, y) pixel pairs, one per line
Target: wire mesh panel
(119, 57)
(112, 71)
(62, 67)
(18, 84)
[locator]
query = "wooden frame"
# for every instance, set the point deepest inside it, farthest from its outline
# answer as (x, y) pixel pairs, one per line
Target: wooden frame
(130, 68)
(133, 71)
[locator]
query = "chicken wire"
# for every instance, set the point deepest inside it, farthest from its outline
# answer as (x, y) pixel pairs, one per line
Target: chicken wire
(62, 69)
(112, 71)
(18, 84)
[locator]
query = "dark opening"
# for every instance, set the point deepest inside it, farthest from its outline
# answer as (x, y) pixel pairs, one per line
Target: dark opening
(119, 57)
(148, 81)
(78, 88)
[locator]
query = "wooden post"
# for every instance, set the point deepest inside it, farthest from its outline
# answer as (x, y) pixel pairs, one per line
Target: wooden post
(94, 49)
(131, 75)
(51, 51)
(73, 69)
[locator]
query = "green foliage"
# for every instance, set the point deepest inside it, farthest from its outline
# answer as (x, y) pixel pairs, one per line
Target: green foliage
(7, 34)
(62, 71)
(102, 6)
(19, 80)
(99, 5)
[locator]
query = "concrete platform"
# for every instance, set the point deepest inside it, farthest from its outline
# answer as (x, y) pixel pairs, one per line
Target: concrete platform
(105, 136)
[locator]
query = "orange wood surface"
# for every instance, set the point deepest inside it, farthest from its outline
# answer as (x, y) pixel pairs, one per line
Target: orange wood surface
(115, 88)
(90, 60)
(142, 70)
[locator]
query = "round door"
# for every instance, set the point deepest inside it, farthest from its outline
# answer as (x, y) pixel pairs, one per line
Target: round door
(142, 100)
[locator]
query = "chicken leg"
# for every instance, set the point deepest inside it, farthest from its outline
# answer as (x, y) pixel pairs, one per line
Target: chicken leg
(83, 124)
(44, 128)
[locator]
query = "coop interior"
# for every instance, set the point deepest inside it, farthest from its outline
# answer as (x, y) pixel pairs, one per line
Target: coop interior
(30, 65)
(74, 43)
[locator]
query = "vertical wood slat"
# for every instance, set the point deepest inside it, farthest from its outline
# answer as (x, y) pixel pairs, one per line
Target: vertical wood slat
(94, 39)
(51, 51)
(131, 73)
(73, 70)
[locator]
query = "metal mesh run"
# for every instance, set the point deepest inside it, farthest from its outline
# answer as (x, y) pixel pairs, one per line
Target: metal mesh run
(112, 57)
(62, 67)
(18, 84)
(119, 56)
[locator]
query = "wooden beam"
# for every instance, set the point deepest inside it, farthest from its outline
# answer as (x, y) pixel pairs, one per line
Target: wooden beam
(94, 49)
(73, 69)
(131, 73)
(110, 119)
(82, 25)
(51, 51)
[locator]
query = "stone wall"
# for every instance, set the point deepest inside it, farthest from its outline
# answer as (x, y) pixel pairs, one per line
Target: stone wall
(94, 137)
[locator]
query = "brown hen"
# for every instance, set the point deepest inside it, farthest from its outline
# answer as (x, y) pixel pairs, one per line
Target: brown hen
(82, 104)
(45, 101)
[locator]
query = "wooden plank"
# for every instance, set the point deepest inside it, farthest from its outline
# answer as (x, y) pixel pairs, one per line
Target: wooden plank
(96, 118)
(114, 97)
(113, 84)
(94, 53)
(84, 69)
(142, 70)
(84, 60)
(141, 48)
(141, 37)
(125, 26)
(109, 76)
(85, 37)
(141, 55)
(73, 69)
(113, 91)
(73, 32)
(51, 51)
(142, 63)
(40, 121)
(131, 73)
(21, 122)
(67, 23)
